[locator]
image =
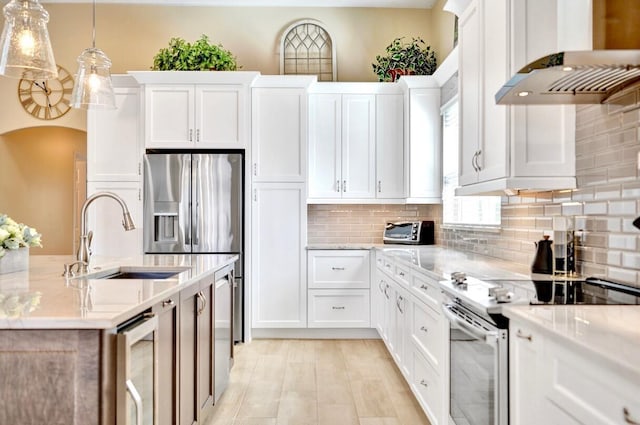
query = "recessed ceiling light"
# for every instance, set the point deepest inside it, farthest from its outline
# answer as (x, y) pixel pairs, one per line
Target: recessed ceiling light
(567, 68)
(524, 93)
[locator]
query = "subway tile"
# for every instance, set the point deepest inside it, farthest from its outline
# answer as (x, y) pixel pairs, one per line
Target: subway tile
(613, 225)
(607, 192)
(631, 190)
(551, 210)
(627, 226)
(596, 240)
(592, 177)
(623, 172)
(622, 241)
(631, 260)
(623, 275)
(622, 208)
(595, 208)
(614, 258)
(560, 196)
(608, 158)
(619, 138)
(572, 208)
(585, 162)
(583, 194)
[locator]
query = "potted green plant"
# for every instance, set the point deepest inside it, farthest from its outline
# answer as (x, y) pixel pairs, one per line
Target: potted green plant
(199, 56)
(405, 58)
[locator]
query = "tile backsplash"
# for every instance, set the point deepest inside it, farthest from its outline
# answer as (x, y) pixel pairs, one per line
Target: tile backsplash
(601, 209)
(363, 223)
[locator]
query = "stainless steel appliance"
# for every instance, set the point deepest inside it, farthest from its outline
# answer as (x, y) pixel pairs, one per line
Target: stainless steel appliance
(137, 377)
(409, 233)
(223, 338)
(193, 203)
(478, 342)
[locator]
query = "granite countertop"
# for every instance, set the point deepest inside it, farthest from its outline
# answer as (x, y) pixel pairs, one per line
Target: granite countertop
(41, 298)
(609, 335)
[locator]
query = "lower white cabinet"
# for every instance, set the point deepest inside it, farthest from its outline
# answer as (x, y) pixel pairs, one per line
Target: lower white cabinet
(105, 219)
(427, 332)
(427, 386)
(278, 265)
(339, 308)
(339, 282)
(554, 383)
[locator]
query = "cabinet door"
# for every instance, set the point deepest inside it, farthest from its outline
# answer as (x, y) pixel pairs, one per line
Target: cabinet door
(358, 146)
(425, 146)
(493, 146)
(105, 219)
(401, 331)
(390, 146)
(525, 398)
(278, 264)
(114, 151)
(205, 343)
(169, 116)
(378, 301)
(325, 141)
(168, 343)
(278, 120)
(469, 72)
(219, 116)
(189, 306)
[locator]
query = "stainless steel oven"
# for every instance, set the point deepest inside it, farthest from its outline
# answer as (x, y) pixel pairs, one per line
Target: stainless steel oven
(479, 350)
(137, 376)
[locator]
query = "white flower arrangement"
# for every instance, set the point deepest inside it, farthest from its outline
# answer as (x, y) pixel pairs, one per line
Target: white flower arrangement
(15, 235)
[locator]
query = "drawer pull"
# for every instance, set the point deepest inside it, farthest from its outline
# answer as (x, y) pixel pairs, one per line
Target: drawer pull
(337, 268)
(388, 266)
(423, 329)
(424, 383)
(335, 307)
(425, 287)
(519, 334)
(627, 417)
(168, 303)
(401, 274)
(398, 301)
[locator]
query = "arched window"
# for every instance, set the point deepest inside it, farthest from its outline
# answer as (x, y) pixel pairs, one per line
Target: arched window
(306, 48)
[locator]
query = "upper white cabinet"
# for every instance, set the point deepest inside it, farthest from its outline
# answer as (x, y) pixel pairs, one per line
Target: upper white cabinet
(423, 139)
(514, 147)
(194, 109)
(342, 146)
(390, 169)
(279, 128)
(114, 148)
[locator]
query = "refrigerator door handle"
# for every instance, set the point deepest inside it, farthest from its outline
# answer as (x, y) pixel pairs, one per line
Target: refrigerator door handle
(186, 170)
(196, 200)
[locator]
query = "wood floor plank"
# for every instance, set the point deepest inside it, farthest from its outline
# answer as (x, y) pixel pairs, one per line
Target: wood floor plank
(371, 398)
(300, 377)
(334, 414)
(298, 407)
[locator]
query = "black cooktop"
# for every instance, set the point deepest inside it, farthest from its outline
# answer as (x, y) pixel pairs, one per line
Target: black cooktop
(593, 291)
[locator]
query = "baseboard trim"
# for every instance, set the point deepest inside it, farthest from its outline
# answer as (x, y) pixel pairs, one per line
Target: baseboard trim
(314, 333)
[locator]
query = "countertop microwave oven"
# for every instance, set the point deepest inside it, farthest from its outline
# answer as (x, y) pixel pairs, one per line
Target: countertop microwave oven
(409, 232)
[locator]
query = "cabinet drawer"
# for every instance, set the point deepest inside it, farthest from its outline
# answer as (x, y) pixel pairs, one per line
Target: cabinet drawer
(426, 333)
(402, 275)
(590, 393)
(338, 269)
(426, 290)
(339, 308)
(426, 386)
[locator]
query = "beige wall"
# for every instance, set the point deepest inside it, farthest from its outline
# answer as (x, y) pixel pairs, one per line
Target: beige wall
(442, 24)
(36, 184)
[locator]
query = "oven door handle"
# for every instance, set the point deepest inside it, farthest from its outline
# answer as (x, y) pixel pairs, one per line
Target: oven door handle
(474, 331)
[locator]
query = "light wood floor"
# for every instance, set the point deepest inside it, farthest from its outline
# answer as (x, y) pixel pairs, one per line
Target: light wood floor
(316, 382)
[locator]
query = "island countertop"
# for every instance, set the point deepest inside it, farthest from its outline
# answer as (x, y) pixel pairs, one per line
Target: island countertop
(40, 298)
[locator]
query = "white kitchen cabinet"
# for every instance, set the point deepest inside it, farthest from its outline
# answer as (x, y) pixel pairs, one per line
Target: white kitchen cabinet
(390, 170)
(339, 282)
(380, 307)
(514, 147)
(342, 146)
(278, 260)
(401, 329)
(194, 109)
(114, 137)
(105, 219)
(423, 139)
(279, 128)
(427, 386)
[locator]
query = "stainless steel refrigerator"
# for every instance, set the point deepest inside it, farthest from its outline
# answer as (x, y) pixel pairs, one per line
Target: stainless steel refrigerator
(193, 203)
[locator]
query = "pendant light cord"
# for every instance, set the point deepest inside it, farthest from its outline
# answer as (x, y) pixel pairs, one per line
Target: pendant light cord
(94, 24)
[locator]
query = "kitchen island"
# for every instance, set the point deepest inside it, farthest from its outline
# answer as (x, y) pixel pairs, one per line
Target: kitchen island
(60, 357)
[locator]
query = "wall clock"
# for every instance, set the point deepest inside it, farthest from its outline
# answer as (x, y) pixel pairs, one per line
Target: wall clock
(47, 99)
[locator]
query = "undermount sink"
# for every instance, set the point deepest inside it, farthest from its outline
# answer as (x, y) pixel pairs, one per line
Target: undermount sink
(129, 272)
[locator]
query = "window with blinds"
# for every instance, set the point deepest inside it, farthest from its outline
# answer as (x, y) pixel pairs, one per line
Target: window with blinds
(461, 210)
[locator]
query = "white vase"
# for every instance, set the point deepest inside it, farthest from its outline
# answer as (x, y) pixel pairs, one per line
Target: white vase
(14, 260)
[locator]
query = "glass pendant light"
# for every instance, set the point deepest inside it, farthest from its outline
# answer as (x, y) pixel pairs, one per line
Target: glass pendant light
(93, 88)
(25, 46)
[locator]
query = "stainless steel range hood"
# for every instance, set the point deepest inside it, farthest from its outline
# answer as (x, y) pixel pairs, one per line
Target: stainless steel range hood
(571, 78)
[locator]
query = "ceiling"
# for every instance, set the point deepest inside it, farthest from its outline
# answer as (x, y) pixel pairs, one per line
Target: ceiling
(415, 4)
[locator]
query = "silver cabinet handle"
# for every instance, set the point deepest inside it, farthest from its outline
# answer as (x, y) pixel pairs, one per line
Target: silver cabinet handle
(379, 186)
(337, 307)
(197, 135)
(385, 291)
(139, 168)
(424, 329)
(255, 195)
(344, 186)
(202, 298)
(255, 169)
(168, 303)
(424, 287)
(424, 383)
(337, 185)
(519, 334)
(478, 160)
(191, 135)
(380, 285)
(473, 162)
(337, 268)
(398, 301)
(627, 417)
(137, 400)
(401, 274)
